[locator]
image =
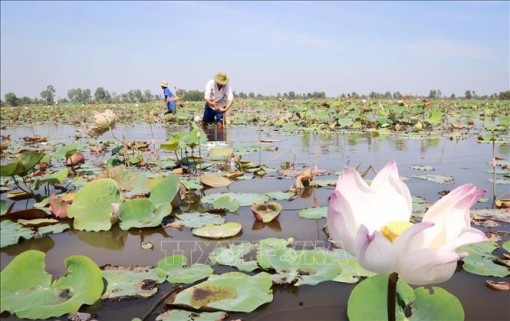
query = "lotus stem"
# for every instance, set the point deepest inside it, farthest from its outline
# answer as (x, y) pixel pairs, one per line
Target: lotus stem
(392, 296)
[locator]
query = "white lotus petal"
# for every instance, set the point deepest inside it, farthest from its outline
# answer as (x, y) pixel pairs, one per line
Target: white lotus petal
(342, 225)
(412, 239)
(428, 266)
(375, 252)
(450, 214)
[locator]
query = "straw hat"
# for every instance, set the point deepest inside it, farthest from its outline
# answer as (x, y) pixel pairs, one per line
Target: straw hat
(221, 78)
(164, 83)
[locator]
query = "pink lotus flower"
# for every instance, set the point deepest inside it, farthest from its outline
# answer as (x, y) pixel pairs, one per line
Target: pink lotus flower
(372, 222)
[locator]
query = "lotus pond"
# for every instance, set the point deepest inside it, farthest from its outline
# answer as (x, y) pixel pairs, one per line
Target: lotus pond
(239, 214)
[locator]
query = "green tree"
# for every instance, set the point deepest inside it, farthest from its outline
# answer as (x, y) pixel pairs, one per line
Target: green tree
(504, 95)
(148, 96)
(100, 95)
(74, 95)
(468, 94)
(48, 95)
(433, 94)
(11, 99)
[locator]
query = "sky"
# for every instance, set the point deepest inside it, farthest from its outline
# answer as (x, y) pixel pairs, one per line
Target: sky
(264, 47)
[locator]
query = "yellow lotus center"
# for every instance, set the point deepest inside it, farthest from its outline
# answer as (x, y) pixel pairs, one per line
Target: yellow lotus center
(394, 229)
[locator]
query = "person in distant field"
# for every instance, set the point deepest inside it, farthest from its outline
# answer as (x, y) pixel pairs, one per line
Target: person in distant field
(169, 98)
(218, 99)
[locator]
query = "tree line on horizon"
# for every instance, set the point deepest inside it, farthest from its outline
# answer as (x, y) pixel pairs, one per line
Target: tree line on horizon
(101, 95)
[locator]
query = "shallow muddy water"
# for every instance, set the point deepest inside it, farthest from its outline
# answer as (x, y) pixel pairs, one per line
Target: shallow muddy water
(467, 161)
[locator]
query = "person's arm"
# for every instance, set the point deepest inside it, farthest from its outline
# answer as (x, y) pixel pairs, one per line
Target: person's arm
(230, 99)
(209, 96)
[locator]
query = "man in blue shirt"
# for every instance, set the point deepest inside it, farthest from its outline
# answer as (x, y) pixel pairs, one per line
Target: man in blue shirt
(169, 97)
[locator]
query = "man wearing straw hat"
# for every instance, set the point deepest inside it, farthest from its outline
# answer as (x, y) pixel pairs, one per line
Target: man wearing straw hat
(218, 99)
(169, 97)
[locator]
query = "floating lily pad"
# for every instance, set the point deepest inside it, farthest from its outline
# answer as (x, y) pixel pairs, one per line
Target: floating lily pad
(266, 212)
(422, 167)
(314, 213)
(174, 269)
(324, 182)
(232, 291)
(226, 203)
(280, 196)
(3, 207)
(368, 301)
(300, 267)
(181, 315)
(352, 271)
(506, 246)
(213, 180)
(54, 228)
(92, 206)
(27, 290)
(221, 231)
(141, 212)
(196, 220)
(11, 232)
(129, 281)
(244, 199)
(232, 255)
(501, 214)
(440, 179)
(191, 184)
(500, 181)
(480, 261)
(38, 222)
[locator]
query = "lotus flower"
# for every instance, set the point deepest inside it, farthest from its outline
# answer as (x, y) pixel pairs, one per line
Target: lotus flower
(372, 222)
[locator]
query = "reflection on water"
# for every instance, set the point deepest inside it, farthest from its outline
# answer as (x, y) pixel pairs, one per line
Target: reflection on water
(466, 160)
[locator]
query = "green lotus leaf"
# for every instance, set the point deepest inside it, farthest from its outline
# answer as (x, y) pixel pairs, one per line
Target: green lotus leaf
(500, 214)
(3, 207)
(174, 269)
(173, 143)
(226, 203)
(422, 167)
(53, 229)
(266, 212)
(480, 260)
(191, 184)
(271, 243)
(506, 246)
(92, 206)
(232, 255)
(220, 153)
(54, 178)
(440, 179)
(25, 162)
(300, 267)
(122, 281)
(244, 199)
(165, 190)
(37, 222)
(232, 291)
(68, 150)
(196, 220)
(352, 271)
(368, 301)
(314, 213)
(221, 231)
(27, 290)
(181, 315)
(213, 180)
(280, 196)
(141, 212)
(11, 232)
